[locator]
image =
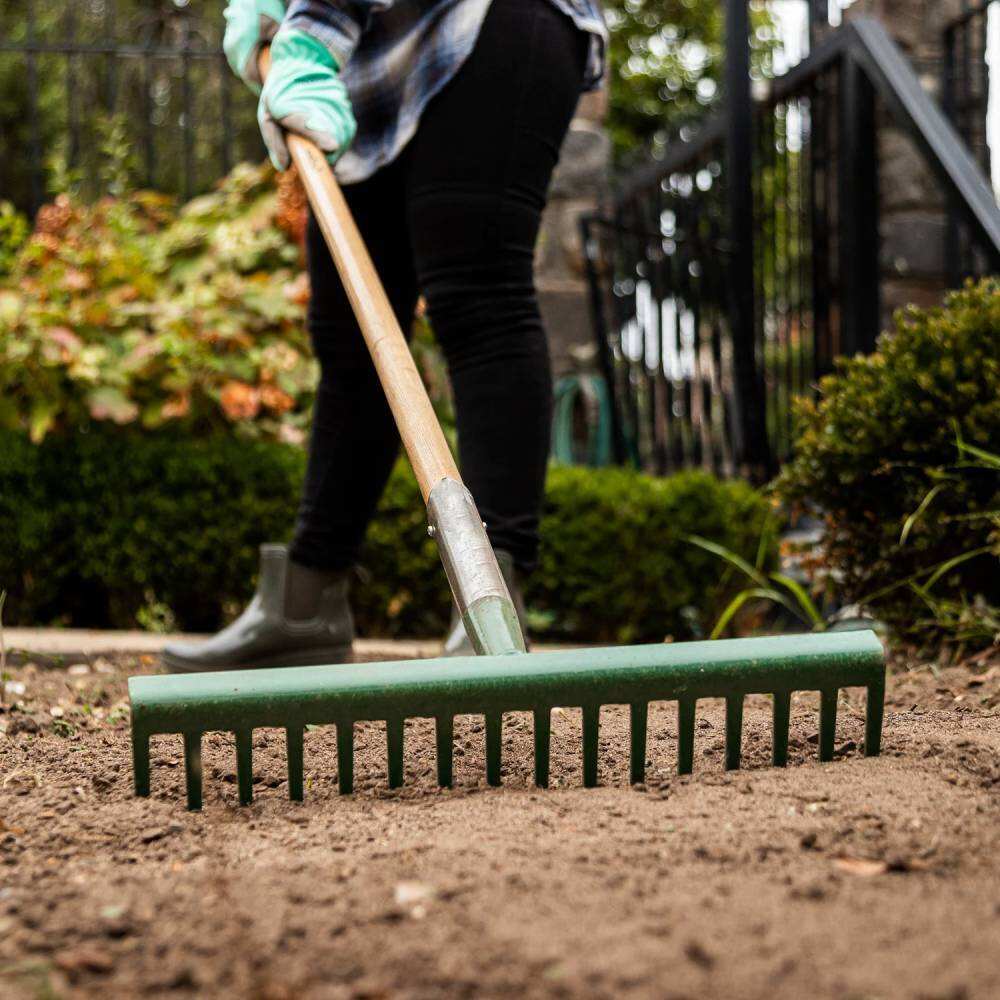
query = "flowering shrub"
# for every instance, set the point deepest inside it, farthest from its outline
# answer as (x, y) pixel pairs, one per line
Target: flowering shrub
(132, 312)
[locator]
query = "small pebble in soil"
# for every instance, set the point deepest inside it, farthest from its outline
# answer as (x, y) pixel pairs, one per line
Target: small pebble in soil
(84, 958)
(159, 832)
(697, 954)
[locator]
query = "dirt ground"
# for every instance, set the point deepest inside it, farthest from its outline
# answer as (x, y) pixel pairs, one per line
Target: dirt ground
(860, 879)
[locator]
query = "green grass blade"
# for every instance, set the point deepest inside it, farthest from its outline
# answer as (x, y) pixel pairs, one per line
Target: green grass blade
(731, 608)
(949, 565)
(801, 595)
(730, 557)
(765, 593)
(986, 457)
(936, 572)
(767, 533)
(919, 512)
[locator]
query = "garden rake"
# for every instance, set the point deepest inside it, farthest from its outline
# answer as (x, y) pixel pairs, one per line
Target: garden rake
(502, 677)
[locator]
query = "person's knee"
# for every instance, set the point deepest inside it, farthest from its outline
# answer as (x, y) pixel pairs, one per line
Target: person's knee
(485, 315)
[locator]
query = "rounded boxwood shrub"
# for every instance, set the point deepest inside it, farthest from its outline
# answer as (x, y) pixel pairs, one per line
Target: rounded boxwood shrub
(99, 527)
(881, 438)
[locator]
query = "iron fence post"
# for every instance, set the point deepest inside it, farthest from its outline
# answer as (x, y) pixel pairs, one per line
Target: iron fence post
(860, 316)
(952, 244)
(750, 436)
(37, 168)
(588, 238)
(818, 19)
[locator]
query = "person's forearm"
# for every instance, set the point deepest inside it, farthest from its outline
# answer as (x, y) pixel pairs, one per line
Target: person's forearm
(338, 24)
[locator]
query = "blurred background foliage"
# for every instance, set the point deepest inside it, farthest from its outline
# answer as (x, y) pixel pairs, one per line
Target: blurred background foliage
(667, 66)
(156, 117)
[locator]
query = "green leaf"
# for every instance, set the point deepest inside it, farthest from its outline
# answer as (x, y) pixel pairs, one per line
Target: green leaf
(950, 564)
(734, 605)
(43, 416)
(765, 543)
(108, 403)
(765, 593)
(729, 556)
(988, 458)
(916, 515)
(805, 601)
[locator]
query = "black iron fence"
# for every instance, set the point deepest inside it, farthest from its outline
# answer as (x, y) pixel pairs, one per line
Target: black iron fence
(711, 319)
(134, 86)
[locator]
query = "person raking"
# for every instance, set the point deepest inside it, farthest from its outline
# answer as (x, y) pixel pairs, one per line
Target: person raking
(445, 119)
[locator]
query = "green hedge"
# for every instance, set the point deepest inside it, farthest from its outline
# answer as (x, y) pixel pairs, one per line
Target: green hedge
(101, 527)
(880, 454)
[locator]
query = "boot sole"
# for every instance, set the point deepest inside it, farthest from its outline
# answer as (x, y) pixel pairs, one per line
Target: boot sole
(331, 655)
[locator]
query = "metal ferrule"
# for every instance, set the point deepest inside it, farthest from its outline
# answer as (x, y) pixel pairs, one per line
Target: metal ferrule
(466, 552)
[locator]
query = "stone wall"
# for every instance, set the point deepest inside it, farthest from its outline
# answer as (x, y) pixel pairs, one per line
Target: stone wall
(580, 178)
(912, 204)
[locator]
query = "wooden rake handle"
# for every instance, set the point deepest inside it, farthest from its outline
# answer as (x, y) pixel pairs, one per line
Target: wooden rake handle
(477, 584)
(411, 407)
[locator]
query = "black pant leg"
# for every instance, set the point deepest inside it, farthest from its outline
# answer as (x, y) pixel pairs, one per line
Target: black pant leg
(354, 440)
(478, 172)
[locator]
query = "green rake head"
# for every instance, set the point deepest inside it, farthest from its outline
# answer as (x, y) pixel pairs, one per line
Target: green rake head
(292, 698)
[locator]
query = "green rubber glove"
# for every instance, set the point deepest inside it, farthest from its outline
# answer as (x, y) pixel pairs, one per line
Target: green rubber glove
(250, 25)
(304, 94)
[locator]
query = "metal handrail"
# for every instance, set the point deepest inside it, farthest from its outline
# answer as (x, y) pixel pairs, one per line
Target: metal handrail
(947, 154)
(866, 41)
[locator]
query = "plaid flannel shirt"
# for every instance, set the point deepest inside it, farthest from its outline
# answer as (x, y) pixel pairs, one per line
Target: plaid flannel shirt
(395, 56)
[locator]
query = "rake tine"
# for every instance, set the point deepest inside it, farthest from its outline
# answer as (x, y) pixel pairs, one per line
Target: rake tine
(494, 723)
(782, 714)
(296, 754)
(873, 718)
(394, 737)
(345, 757)
(591, 728)
(638, 718)
(192, 769)
(444, 733)
(685, 735)
(734, 731)
(244, 765)
(140, 764)
(543, 741)
(827, 723)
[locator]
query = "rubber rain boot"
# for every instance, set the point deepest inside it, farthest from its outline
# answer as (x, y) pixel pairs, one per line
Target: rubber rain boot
(298, 617)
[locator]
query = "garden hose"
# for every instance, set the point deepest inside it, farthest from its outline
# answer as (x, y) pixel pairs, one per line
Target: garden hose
(589, 394)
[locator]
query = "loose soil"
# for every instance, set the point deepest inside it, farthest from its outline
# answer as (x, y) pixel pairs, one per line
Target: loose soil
(864, 878)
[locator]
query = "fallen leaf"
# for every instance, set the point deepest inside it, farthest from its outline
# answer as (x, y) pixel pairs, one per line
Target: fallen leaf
(862, 867)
